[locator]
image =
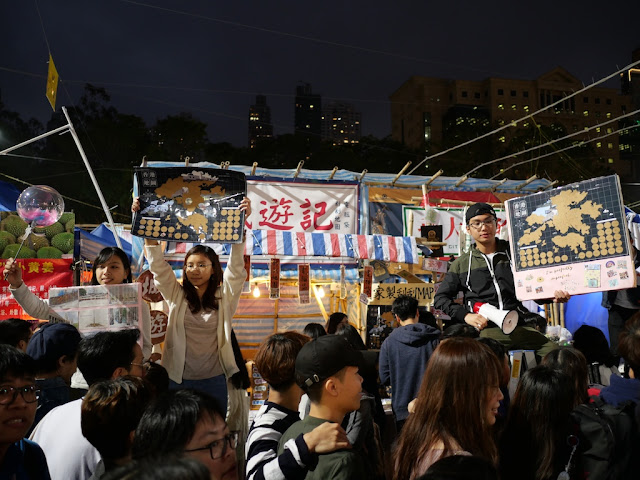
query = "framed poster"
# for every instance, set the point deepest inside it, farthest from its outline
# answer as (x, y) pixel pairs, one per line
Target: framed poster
(190, 204)
(572, 238)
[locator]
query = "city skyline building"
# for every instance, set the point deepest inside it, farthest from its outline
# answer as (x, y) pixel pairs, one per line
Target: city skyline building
(341, 123)
(260, 127)
(424, 109)
(308, 112)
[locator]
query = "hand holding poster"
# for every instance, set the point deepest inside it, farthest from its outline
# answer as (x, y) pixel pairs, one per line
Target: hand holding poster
(573, 238)
(100, 307)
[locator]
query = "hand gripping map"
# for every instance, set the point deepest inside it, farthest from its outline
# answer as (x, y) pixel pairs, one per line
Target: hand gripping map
(190, 204)
(572, 238)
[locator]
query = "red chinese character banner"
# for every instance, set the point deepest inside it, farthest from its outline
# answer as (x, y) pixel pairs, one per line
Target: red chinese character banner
(303, 207)
(39, 274)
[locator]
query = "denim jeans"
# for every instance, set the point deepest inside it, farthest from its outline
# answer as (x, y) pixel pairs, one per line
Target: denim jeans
(214, 386)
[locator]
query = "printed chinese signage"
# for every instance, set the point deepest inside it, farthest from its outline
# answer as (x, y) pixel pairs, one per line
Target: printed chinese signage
(99, 307)
(39, 275)
(572, 238)
(367, 281)
(386, 293)
(303, 283)
(190, 204)
(451, 220)
(308, 207)
(274, 279)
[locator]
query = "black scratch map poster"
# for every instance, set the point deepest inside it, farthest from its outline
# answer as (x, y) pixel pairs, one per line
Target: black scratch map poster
(190, 204)
(572, 238)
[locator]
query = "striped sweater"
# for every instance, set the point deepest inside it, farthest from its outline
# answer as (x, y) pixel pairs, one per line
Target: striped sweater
(266, 430)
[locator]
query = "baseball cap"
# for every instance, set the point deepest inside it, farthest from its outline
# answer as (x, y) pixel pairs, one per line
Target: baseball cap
(479, 209)
(323, 357)
(52, 341)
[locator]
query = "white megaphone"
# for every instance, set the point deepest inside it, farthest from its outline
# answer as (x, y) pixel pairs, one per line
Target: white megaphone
(507, 320)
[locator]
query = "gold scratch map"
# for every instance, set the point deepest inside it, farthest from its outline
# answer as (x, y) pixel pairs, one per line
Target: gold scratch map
(190, 204)
(576, 223)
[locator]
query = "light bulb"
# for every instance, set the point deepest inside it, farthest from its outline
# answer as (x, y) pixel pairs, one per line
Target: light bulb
(320, 291)
(256, 291)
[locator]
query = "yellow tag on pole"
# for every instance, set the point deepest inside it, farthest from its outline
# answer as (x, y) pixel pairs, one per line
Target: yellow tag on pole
(52, 83)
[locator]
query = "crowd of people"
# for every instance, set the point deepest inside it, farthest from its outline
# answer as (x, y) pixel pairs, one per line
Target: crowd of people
(95, 407)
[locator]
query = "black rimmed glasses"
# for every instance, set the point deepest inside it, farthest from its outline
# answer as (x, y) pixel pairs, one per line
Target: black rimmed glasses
(29, 394)
(218, 447)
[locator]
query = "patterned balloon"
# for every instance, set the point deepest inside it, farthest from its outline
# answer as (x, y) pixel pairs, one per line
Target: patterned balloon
(40, 205)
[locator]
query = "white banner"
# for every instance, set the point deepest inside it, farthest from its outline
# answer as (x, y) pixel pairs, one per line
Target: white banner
(298, 207)
(451, 221)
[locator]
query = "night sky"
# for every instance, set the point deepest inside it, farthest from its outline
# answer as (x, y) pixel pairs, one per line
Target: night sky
(211, 58)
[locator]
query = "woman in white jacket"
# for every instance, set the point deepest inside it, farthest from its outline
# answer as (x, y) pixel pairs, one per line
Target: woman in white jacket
(111, 267)
(197, 350)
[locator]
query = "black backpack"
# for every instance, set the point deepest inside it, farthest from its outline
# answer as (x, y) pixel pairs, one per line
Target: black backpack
(609, 440)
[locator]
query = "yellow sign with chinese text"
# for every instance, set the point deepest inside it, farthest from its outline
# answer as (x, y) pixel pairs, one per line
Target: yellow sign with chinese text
(386, 293)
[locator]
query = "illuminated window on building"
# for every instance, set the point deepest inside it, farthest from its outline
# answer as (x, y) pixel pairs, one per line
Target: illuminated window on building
(598, 144)
(426, 119)
(525, 124)
(500, 122)
(585, 113)
(610, 146)
(502, 139)
(598, 129)
(610, 160)
(514, 107)
(500, 106)
(608, 114)
(526, 108)
(609, 130)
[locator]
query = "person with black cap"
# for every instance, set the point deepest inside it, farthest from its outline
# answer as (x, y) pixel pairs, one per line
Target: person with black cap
(327, 370)
(484, 275)
(54, 347)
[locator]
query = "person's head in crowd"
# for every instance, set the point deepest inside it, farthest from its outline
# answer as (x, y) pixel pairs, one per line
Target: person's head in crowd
(427, 318)
(54, 347)
(629, 346)
(15, 332)
(314, 330)
(188, 423)
(405, 308)
(276, 360)
(536, 321)
(461, 467)
(164, 468)
(351, 334)
(111, 410)
(201, 271)
(18, 396)
(503, 356)
(336, 319)
(108, 355)
(111, 267)
(455, 409)
(157, 377)
(327, 371)
(571, 362)
(534, 439)
(460, 330)
(593, 344)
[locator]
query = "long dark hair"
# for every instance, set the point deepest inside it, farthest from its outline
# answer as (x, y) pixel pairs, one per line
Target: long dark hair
(209, 299)
(451, 406)
(104, 255)
(534, 441)
(334, 320)
(572, 362)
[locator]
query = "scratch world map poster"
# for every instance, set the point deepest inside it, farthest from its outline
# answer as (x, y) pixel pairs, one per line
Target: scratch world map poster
(190, 204)
(572, 238)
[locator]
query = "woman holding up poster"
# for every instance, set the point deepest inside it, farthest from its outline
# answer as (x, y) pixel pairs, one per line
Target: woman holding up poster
(111, 267)
(197, 350)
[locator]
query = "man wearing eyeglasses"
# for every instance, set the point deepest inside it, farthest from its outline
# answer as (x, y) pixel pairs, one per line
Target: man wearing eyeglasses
(484, 275)
(19, 457)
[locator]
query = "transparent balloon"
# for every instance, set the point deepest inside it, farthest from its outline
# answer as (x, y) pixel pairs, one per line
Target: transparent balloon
(40, 205)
